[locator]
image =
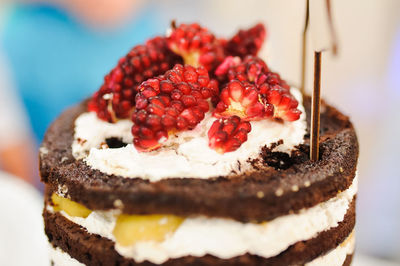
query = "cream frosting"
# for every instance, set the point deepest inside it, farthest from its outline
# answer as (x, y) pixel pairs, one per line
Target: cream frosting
(185, 155)
(226, 238)
(337, 256)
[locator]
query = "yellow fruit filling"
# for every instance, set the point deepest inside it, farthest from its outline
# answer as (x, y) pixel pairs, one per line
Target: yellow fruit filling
(72, 208)
(131, 229)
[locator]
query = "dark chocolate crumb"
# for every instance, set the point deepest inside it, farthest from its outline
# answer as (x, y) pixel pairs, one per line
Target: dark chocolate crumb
(115, 143)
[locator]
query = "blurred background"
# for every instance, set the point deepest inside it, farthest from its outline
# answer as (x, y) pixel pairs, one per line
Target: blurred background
(55, 53)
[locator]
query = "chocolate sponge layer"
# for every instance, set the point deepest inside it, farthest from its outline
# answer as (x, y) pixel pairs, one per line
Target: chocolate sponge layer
(93, 249)
(236, 196)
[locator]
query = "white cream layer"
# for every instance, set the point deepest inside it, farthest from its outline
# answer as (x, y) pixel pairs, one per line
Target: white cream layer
(226, 238)
(185, 155)
(335, 257)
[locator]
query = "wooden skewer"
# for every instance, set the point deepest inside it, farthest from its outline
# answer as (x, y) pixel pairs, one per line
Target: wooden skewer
(315, 111)
(173, 24)
(304, 49)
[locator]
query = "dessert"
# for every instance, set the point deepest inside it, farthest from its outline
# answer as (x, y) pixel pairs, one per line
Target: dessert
(193, 152)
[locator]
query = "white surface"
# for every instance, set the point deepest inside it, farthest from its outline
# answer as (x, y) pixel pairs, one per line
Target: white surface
(61, 258)
(22, 238)
(319, 26)
(365, 260)
(226, 238)
(186, 155)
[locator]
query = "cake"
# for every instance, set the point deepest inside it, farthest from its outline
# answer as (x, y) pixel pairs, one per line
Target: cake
(205, 163)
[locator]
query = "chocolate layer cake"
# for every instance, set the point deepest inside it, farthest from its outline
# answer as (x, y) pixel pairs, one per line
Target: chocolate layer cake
(232, 186)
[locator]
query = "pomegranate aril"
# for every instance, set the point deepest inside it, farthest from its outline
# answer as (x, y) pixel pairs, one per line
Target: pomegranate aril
(274, 96)
(190, 117)
(189, 100)
(184, 88)
(292, 114)
(155, 109)
(146, 133)
(228, 62)
(244, 126)
(257, 111)
(166, 86)
(176, 94)
(204, 105)
(181, 123)
(146, 144)
(168, 121)
(179, 107)
(153, 122)
(285, 105)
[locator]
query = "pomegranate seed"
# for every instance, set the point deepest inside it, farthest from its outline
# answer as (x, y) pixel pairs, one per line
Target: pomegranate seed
(168, 121)
(189, 100)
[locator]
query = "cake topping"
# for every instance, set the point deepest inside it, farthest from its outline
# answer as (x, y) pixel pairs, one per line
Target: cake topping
(246, 42)
(172, 102)
(250, 69)
(273, 94)
(163, 101)
(285, 105)
(242, 99)
(197, 45)
(116, 97)
(228, 134)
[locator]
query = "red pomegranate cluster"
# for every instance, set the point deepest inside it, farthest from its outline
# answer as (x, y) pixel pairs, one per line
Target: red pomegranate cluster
(246, 42)
(197, 46)
(228, 134)
(116, 97)
(168, 85)
(172, 102)
(253, 92)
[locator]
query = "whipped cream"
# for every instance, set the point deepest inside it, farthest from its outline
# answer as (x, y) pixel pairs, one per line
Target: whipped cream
(186, 154)
(227, 238)
(337, 256)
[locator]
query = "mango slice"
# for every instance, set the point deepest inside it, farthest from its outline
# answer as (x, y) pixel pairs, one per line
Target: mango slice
(131, 229)
(72, 208)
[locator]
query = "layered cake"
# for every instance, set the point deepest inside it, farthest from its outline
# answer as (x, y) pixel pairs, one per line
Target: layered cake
(193, 152)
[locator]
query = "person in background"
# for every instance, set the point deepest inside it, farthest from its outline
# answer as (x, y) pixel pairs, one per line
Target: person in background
(57, 53)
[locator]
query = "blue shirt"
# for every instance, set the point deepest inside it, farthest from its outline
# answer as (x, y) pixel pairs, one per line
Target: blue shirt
(57, 62)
